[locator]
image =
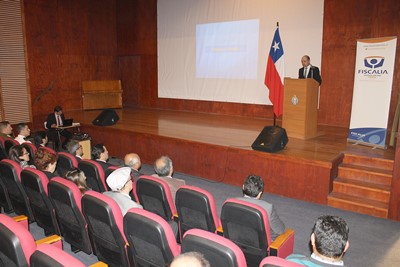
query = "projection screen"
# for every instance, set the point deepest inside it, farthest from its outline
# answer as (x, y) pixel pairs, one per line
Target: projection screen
(217, 50)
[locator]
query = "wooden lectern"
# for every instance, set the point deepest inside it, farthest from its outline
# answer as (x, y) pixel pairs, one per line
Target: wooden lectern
(300, 108)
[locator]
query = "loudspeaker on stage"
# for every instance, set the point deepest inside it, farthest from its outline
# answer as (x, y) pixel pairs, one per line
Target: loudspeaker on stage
(107, 117)
(271, 139)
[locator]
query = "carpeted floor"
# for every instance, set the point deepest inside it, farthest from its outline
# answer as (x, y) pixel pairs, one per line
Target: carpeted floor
(373, 241)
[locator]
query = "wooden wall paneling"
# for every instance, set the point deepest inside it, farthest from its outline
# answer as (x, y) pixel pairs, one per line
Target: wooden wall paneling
(305, 180)
(288, 177)
(67, 42)
(102, 34)
(343, 25)
(130, 75)
(137, 27)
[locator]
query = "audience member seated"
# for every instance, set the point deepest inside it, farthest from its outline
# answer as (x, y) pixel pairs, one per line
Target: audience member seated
(253, 188)
(190, 259)
(40, 139)
(164, 170)
(78, 177)
(100, 154)
(46, 162)
(20, 155)
(132, 161)
(23, 132)
(329, 240)
(75, 149)
(53, 122)
(6, 129)
(120, 183)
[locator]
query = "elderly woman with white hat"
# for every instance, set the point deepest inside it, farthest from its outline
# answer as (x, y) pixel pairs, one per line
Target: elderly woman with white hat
(121, 184)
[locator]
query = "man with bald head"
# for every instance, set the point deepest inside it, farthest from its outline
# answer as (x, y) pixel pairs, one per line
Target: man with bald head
(132, 160)
(164, 170)
(190, 259)
(308, 70)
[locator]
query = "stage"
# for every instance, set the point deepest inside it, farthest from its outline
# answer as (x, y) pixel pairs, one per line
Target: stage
(218, 147)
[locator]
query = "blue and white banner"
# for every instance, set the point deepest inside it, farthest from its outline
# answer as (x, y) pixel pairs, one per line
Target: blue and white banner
(372, 90)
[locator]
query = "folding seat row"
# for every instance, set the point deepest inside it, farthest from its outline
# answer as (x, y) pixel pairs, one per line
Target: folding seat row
(246, 224)
(19, 249)
(196, 209)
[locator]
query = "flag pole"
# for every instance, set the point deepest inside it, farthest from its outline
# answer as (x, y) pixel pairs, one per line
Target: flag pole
(277, 25)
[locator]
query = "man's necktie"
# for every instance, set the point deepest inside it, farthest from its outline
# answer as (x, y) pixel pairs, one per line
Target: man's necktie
(58, 120)
(305, 72)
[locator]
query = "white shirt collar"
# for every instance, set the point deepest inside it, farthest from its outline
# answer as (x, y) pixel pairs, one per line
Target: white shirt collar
(320, 259)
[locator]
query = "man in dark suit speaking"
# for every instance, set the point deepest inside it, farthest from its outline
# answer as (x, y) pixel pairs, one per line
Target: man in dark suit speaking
(53, 123)
(308, 70)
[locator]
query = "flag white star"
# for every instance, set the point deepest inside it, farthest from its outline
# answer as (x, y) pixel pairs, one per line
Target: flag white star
(276, 46)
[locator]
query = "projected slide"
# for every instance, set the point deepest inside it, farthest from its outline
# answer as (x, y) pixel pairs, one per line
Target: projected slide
(227, 49)
(217, 50)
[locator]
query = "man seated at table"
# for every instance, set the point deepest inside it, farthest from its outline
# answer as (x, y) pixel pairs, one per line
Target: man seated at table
(54, 121)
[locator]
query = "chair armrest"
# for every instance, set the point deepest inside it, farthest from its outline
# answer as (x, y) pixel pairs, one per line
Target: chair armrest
(54, 240)
(220, 231)
(283, 244)
(23, 220)
(175, 216)
(98, 264)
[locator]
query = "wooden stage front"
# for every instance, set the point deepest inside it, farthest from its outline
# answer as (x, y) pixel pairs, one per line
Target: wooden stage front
(218, 147)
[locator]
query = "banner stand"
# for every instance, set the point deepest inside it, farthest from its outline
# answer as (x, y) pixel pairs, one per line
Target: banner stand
(373, 82)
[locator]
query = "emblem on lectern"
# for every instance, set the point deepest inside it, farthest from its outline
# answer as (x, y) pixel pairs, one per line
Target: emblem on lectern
(295, 100)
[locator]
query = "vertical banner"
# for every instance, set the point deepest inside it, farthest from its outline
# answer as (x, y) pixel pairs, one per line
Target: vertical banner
(372, 90)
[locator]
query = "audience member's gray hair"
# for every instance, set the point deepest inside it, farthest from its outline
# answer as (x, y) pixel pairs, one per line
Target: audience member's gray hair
(72, 146)
(163, 166)
(132, 162)
(194, 255)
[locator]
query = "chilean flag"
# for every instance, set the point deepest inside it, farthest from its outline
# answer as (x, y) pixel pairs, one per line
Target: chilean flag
(275, 73)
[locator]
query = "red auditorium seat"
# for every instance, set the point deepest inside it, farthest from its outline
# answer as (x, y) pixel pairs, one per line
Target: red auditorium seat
(155, 196)
(218, 250)
(247, 225)
(48, 256)
(5, 202)
(151, 239)
(35, 184)
(95, 178)
(66, 198)
(17, 243)
(9, 143)
(65, 163)
(10, 175)
(105, 221)
(3, 153)
(50, 150)
(196, 209)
